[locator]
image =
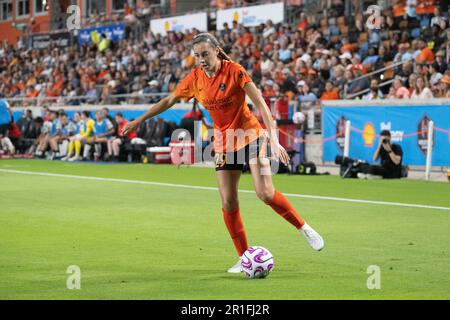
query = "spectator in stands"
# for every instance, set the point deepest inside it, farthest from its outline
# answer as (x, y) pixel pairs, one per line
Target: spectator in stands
(284, 53)
(422, 91)
(330, 93)
(90, 92)
(269, 29)
(359, 83)
(411, 9)
(371, 59)
(269, 90)
(62, 71)
(442, 90)
(440, 62)
(306, 97)
(246, 38)
(407, 68)
(267, 65)
(303, 24)
(400, 90)
(153, 88)
(426, 54)
(374, 38)
(339, 79)
(374, 93)
(412, 83)
(435, 75)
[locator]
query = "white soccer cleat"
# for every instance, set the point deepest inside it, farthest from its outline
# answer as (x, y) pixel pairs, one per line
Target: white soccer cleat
(75, 158)
(361, 175)
(237, 268)
(66, 158)
(314, 239)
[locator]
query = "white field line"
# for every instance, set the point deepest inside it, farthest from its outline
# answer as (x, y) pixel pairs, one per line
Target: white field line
(187, 186)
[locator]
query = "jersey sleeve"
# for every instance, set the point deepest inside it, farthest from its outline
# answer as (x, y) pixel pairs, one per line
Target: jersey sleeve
(240, 75)
(109, 124)
(185, 89)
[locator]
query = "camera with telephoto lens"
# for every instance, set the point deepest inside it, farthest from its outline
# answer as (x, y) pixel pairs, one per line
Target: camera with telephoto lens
(350, 167)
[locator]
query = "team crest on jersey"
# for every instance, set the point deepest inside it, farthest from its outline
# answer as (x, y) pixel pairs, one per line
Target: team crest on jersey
(222, 87)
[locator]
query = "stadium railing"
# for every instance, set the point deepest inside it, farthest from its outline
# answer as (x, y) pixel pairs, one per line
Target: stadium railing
(370, 74)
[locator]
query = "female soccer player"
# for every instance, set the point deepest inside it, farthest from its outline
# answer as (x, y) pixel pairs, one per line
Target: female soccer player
(220, 85)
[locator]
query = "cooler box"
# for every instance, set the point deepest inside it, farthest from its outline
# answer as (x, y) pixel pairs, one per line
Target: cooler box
(182, 152)
(159, 154)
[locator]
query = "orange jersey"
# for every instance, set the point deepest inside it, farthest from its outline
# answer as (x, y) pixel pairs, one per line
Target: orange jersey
(224, 97)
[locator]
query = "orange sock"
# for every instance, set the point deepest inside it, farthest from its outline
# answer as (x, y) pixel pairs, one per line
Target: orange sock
(282, 206)
(235, 227)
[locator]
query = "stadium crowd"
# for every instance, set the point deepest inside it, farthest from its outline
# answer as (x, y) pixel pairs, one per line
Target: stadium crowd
(306, 63)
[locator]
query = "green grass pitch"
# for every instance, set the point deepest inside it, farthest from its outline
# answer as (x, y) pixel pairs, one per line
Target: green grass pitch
(138, 241)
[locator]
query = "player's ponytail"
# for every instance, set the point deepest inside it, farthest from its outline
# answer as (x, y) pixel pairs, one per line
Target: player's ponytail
(209, 38)
(222, 55)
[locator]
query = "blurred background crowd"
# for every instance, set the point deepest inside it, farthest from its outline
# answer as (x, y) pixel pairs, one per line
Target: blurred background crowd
(323, 59)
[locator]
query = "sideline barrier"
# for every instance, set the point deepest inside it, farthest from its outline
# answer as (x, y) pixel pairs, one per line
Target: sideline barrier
(408, 126)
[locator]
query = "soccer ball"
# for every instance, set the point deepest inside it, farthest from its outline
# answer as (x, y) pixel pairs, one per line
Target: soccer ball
(257, 262)
(298, 118)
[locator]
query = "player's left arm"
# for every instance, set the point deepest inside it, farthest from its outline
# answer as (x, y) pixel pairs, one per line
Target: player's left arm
(255, 95)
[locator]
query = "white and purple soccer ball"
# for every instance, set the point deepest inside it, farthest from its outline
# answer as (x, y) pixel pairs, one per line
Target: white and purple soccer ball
(298, 117)
(257, 262)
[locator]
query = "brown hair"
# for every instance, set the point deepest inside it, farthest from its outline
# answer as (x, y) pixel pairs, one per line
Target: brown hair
(425, 84)
(209, 38)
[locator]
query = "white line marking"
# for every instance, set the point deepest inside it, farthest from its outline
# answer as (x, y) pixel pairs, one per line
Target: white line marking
(187, 186)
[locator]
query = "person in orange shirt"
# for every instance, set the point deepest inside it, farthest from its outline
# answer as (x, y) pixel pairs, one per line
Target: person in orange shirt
(425, 7)
(31, 92)
(269, 91)
(246, 39)
(330, 93)
(221, 85)
(426, 55)
(399, 8)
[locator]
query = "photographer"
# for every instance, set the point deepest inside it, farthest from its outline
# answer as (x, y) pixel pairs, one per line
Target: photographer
(391, 160)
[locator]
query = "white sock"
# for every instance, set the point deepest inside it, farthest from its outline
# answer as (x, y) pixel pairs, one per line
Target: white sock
(87, 148)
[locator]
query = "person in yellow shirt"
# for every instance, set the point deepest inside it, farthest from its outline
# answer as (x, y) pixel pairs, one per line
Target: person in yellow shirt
(85, 130)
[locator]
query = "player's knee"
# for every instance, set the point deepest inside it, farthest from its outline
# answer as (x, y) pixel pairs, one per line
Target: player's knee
(230, 205)
(265, 195)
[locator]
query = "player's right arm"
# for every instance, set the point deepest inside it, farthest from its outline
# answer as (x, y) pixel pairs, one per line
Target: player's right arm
(161, 106)
(184, 90)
